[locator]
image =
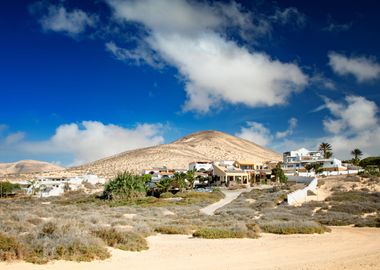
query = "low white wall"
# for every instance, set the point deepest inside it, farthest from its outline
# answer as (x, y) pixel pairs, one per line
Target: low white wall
(299, 196)
(326, 173)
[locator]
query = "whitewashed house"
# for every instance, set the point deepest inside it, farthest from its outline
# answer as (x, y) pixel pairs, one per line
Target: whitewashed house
(56, 186)
(200, 166)
(295, 162)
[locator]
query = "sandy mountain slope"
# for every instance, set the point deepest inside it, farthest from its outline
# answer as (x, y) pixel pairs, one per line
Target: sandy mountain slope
(27, 166)
(200, 146)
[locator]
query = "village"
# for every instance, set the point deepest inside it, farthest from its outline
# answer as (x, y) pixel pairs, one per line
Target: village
(232, 174)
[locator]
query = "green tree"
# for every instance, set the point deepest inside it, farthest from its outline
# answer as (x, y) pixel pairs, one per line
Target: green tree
(190, 177)
(164, 184)
(125, 186)
(179, 180)
(326, 148)
(357, 153)
(279, 174)
(309, 167)
(317, 167)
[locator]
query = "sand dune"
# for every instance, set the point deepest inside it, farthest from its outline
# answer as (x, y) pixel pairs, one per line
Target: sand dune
(344, 248)
(28, 166)
(204, 146)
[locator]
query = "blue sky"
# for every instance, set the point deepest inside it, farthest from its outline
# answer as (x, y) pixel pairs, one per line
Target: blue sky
(81, 80)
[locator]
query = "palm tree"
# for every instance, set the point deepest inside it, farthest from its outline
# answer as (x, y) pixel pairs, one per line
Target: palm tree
(326, 148)
(190, 177)
(357, 153)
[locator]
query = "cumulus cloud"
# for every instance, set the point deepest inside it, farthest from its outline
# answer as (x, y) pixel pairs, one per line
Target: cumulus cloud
(292, 125)
(255, 132)
(89, 141)
(362, 68)
(214, 68)
(355, 114)
(74, 22)
(352, 123)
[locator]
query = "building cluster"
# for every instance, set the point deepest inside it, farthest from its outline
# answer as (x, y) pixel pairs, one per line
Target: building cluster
(56, 186)
(295, 163)
(224, 172)
(206, 173)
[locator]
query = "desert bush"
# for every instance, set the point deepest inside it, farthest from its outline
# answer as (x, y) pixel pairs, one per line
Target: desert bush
(121, 240)
(253, 230)
(193, 197)
(173, 229)
(368, 222)
(351, 178)
(65, 240)
(332, 218)
(166, 195)
(216, 233)
(10, 248)
(292, 227)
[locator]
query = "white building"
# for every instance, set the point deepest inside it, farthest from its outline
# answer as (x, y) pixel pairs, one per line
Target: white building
(200, 165)
(301, 154)
(295, 161)
(56, 186)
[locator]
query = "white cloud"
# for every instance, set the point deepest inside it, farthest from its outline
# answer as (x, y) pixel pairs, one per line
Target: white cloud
(356, 114)
(59, 19)
(255, 132)
(214, 68)
(355, 124)
(292, 125)
(14, 137)
(335, 27)
(289, 15)
(362, 68)
(3, 127)
(352, 123)
(90, 140)
(138, 56)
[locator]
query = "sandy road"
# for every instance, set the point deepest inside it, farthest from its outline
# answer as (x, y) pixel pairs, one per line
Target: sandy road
(344, 248)
(230, 195)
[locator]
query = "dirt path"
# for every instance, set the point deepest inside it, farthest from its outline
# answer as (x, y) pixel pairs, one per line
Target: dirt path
(344, 248)
(230, 195)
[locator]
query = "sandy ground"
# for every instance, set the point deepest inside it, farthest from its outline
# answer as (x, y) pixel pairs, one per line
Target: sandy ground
(344, 248)
(230, 195)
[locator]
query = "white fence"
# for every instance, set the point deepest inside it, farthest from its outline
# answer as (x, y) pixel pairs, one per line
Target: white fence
(299, 196)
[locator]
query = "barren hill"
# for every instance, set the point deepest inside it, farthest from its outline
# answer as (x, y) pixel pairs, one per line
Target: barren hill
(27, 166)
(200, 146)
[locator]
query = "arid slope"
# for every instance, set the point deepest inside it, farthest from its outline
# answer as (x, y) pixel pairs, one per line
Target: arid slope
(200, 146)
(27, 166)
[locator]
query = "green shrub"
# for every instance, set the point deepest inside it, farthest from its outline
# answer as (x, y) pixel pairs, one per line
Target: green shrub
(125, 186)
(10, 248)
(121, 240)
(216, 233)
(7, 188)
